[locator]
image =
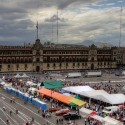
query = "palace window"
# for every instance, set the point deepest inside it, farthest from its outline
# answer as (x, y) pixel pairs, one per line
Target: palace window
(4, 60)
(30, 60)
(0, 60)
(92, 59)
(82, 64)
(78, 64)
(54, 64)
(60, 64)
(8, 60)
(37, 59)
(8, 67)
(66, 64)
(114, 58)
(17, 66)
(25, 66)
(13, 60)
(47, 65)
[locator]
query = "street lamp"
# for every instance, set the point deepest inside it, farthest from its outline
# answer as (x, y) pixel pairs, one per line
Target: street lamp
(51, 97)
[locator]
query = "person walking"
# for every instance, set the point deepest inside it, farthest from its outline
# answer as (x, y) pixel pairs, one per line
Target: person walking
(32, 119)
(57, 121)
(7, 122)
(16, 111)
(10, 113)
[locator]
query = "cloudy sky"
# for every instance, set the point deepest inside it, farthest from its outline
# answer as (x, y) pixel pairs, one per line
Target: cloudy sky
(79, 20)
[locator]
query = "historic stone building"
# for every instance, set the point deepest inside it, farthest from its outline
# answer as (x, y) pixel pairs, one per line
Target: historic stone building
(39, 58)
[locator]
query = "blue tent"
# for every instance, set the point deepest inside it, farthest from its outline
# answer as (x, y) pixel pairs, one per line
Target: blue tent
(40, 104)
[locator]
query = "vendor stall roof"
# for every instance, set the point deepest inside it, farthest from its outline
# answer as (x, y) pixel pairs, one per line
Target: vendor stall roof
(77, 102)
(52, 84)
(60, 97)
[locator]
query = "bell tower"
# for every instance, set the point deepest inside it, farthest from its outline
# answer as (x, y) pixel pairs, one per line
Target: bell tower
(37, 54)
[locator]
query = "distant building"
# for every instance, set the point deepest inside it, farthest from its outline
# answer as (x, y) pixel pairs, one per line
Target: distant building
(39, 58)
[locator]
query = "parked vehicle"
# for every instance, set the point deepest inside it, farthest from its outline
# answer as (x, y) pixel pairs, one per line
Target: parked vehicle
(74, 75)
(62, 111)
(110, 109)
(71, 116)
(53, 109)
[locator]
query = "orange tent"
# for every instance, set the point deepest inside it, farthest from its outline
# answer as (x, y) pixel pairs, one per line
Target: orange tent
(58, 96)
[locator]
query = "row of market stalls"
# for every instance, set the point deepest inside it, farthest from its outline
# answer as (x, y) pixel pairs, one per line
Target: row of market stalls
(105, 121)
(50, 91)
(69, 100)
(96, 94)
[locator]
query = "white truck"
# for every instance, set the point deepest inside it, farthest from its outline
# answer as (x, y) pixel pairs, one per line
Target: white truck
(93, 74)
(74, 75)
(110, 109)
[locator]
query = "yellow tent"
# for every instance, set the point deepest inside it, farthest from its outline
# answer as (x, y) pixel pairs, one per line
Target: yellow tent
(77, 102)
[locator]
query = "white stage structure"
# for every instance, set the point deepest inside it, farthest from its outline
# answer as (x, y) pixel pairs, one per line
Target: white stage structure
(96, 94)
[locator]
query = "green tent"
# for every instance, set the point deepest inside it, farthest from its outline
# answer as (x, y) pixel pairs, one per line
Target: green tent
(72, 104)
(77, 97)
(52, 84)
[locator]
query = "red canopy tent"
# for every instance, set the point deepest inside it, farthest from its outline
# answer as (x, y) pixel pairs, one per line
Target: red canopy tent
(121, 106)
(93, 113)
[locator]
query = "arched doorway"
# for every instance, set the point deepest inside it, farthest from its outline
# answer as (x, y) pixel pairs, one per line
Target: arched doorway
(92, 66)
(37, 69)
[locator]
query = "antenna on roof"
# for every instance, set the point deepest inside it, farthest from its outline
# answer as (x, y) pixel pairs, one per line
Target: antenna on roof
(120, 27)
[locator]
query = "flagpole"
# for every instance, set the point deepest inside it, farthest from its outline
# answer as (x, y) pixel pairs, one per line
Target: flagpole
(37, 29)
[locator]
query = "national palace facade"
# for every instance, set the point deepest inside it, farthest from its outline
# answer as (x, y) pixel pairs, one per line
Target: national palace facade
(40, 58)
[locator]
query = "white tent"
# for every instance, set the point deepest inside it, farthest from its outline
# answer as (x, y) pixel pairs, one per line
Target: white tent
(110, 121)
(123, 88)
(106, 121)
(2, 83)
(32, 90)
(116, 98)
(86, 113)
(96, 94)
(123, 73)
(78, 89)
(1, 80)
(25, 76)
(29, 83)
(17, 76)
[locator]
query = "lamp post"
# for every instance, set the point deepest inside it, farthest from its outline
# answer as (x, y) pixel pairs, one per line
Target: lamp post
(51, 98)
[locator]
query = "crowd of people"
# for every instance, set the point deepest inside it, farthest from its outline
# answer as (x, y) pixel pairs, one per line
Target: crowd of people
(96, 106)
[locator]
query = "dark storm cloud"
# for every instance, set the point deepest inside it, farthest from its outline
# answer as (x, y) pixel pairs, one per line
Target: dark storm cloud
(7, 13)
(65, 3)
(17, 28)
(5, 10)
(60, 4)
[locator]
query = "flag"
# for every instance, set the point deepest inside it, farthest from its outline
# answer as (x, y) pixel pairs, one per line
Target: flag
(37, 25)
